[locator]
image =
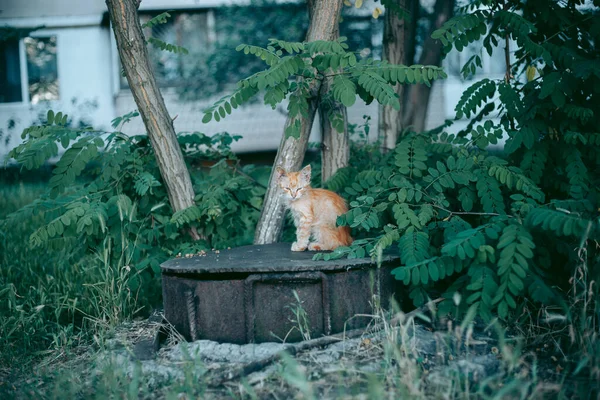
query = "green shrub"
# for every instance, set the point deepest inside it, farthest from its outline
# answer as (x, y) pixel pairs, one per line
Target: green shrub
(453, 212)
(122, 192)
(517, 235)
(85, 253)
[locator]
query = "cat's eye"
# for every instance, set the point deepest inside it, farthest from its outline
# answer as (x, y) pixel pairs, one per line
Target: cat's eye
(288, 189)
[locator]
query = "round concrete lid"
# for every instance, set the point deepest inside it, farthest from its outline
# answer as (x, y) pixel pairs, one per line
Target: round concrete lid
(276, 257)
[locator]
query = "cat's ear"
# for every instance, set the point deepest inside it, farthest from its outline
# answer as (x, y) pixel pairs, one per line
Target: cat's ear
(279, 173)
(305, 173)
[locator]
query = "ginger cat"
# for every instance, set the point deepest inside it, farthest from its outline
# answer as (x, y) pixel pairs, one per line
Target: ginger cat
(315, 212)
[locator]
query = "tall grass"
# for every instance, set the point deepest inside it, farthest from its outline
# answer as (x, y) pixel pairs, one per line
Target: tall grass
(53, 299)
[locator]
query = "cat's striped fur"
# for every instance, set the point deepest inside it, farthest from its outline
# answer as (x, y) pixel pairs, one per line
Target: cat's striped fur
(315, 212)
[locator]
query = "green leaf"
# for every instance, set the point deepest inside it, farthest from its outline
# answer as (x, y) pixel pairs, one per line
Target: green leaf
(344, 90)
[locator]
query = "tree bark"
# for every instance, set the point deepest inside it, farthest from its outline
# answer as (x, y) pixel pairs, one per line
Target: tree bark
(417, 105)
(335, 146)
(396, 41)
(410, 38)
(324, 22)
(134, 58)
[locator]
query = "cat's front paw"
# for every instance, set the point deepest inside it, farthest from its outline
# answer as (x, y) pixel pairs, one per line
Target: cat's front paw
(298, 247)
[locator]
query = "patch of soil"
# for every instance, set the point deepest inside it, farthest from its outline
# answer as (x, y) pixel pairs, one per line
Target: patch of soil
(401, 360)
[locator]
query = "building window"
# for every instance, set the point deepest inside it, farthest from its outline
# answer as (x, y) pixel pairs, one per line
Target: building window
(35, 81)
(190, 30)
(10, 72)
(497, 61)
(456, 60)
(493, 65)
(365, 35)
(42, 69)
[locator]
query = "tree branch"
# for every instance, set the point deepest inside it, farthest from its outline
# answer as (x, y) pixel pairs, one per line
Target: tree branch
(471, 213)
(508, 75)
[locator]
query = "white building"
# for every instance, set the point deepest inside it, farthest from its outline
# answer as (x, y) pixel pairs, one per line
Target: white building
(71, 65)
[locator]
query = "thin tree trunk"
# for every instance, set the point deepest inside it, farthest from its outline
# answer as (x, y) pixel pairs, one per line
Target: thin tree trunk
(324, 20)
(410, 38)
(416, 110)
(397, 29)
(134, 58)
(410, 44)
(335, 146)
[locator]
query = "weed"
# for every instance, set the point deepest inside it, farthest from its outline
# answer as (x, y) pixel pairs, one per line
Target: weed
(53, 300)
(300, 318)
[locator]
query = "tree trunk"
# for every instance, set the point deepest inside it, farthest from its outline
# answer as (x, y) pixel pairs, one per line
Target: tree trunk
(396, 39)
(415, 114)
(335, 146)
(134, 58)
(324, 22)
(410, 39)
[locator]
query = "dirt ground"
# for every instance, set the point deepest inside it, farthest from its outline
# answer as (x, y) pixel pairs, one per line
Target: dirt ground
(406, 360)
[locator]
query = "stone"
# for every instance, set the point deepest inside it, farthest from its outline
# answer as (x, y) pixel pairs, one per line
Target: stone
(445, 356)
(209, 351)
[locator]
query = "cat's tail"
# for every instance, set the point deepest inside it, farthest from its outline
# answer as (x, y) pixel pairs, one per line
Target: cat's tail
(333, 237)
(344, 235)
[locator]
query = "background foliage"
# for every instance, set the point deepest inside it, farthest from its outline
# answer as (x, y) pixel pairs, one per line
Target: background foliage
(509, 234)
(219, 67)
(104, 224)
(513, 234)
(295, 67)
